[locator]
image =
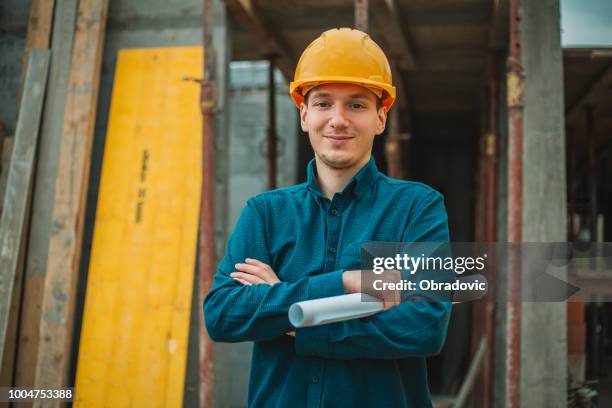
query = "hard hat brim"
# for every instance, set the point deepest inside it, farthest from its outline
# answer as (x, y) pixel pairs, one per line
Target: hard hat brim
(388, 90)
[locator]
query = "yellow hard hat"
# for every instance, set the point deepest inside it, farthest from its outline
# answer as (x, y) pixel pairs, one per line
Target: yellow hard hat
(343, 55)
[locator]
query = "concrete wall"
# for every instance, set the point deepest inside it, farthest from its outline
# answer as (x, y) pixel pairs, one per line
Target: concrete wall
(248, 177)
(249, 123)
(543, 356)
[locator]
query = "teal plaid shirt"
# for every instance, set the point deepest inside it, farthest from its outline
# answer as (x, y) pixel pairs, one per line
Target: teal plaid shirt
(309, 240)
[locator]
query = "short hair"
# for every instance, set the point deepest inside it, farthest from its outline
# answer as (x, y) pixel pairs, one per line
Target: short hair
(378, 101)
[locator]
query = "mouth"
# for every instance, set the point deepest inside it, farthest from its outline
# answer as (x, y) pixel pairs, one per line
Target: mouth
(338, 137)
(338, 141)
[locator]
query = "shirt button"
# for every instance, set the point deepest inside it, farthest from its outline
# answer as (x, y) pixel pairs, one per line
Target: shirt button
(334, 212)
(315, 379)
(332, 250)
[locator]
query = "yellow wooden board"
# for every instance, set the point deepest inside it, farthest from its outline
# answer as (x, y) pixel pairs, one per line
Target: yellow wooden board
(133, 345)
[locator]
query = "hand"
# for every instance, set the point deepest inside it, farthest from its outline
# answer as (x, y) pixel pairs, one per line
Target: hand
(351, 280)
(254, 272)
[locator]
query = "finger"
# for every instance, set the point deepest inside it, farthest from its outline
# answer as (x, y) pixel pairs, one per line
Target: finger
(247, 277)
(266, 274)
(256, 262)
(243, 281)
(291, 333)
(388, 300)
(252, 269)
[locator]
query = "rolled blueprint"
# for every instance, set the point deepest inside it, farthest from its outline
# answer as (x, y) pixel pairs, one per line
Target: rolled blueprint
(356, 305)
(333, 309)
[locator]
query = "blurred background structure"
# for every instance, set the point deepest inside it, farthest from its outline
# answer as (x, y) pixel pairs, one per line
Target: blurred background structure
(505, 113)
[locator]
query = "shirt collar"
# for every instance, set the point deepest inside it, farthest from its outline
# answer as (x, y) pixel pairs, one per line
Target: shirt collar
(359, 184)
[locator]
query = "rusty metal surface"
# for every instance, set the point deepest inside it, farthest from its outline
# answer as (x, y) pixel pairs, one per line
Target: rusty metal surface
(593, 171)
(491, 217)
(206, 238)
(515, 206)
(361, 15)
(572, 178)
(207, 220)
(272, 136)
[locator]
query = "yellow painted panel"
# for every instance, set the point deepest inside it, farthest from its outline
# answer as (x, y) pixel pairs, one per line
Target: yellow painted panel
(133, 345)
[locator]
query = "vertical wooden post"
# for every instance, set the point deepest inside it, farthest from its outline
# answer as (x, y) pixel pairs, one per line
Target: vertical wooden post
(13, 224)
(39, 32)
(38, 36)
(54, 348)
(41, 225)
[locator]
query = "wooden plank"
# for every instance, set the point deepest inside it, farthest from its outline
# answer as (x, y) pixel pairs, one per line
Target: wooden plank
(17, 195)
(6, 373)
(386, 14)
(54, 347)
(133, 349)
(39, 24)
(7, 361)
(39, 31)
(42, 200)
(6, 148)
(251, 18)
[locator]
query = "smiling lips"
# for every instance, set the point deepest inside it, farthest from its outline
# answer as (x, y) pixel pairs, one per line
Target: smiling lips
(338, 140)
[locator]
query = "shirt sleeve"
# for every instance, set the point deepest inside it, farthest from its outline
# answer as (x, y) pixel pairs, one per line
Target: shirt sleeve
(413, 328)
(235, 312)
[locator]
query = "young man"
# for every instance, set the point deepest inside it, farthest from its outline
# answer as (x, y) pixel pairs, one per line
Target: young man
(303, 242)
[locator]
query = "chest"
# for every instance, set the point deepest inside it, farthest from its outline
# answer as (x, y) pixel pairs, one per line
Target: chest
(309, 241)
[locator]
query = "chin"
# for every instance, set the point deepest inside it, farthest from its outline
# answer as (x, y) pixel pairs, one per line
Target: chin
(338, 161)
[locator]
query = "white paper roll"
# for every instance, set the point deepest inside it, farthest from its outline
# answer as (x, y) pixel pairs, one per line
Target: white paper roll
(333, 309)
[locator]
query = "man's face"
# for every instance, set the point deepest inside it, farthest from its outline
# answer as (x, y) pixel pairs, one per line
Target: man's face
(342, 121)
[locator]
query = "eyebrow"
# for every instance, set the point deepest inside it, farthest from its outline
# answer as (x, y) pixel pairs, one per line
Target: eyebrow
(327, 95)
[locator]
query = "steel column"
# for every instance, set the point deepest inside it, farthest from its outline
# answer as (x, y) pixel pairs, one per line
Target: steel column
(272, 152)
(207, 219)
(361, 15)
(515, 102)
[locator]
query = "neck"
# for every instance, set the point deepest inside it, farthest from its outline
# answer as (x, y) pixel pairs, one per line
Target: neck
(332, 180)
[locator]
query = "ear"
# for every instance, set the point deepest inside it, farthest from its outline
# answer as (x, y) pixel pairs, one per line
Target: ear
(303, 113)
(381, 117)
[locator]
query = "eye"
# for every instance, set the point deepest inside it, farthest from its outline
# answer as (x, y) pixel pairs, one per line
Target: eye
(357, 105)
(322, 104)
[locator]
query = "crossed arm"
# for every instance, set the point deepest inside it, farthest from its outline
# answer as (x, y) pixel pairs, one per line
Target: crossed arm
(248, 302)
(255, 272)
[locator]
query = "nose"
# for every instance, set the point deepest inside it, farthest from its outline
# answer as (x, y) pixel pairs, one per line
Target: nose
(338, 117)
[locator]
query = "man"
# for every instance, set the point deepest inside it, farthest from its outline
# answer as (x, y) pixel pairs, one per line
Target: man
(303, 242)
